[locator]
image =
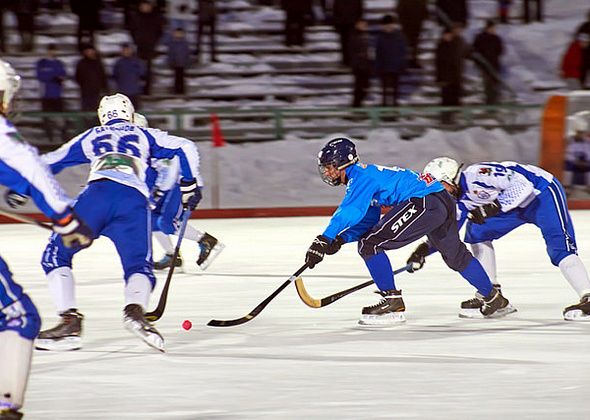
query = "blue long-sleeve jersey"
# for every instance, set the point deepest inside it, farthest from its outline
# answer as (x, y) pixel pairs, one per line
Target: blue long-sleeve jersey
(369, 187)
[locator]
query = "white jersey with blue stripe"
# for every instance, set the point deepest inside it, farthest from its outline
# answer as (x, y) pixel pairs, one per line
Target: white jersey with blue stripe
(23, 171)
(121, 151)
(371, 186)
(512, 184)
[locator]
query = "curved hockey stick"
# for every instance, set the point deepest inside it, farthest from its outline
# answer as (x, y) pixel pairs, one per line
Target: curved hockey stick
(159, 311)
(320, 303)
(254, 312)
(25, 219)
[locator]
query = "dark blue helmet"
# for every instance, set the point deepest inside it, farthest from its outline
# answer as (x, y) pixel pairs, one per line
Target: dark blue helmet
(337, 153)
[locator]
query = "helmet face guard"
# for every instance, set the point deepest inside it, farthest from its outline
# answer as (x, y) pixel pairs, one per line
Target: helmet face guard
(338, 154)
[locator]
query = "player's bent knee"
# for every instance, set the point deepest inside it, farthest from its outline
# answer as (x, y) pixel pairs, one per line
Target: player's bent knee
(144, 270)
(21, 317)
(557, 256)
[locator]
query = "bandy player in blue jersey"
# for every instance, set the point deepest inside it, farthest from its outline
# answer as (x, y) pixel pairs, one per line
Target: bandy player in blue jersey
(115, 204)
(23, 171)
(498, 197)
(419, 206)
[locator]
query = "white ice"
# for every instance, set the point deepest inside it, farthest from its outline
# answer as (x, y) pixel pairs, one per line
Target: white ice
(295, 362)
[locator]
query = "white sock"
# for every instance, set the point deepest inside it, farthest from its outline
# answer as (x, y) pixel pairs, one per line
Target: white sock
(485, 254)
(137, 290)
(15, 363)
(192, 234)
(575, 273)
(61, 287)
(165, 242)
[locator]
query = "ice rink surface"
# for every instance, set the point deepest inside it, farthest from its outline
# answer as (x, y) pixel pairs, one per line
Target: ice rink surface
(294, 362)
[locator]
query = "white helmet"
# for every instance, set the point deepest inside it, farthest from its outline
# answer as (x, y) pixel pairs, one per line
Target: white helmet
(115, 107)
(444, 169)
(580, 121)
(140, 120)
(9, 83)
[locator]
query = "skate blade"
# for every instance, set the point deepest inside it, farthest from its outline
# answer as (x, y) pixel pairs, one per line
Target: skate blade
(212, 255)
(476, 314)
(152, 340)
(63, 344)
(388, 320)
(576, 315)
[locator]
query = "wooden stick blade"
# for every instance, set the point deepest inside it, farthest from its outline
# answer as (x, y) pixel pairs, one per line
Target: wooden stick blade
(306, 297)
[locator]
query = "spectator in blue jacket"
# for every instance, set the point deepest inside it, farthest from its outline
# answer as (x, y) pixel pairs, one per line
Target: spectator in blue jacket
(51, 73)
(391, 59)
(128, 73)
(178, 58)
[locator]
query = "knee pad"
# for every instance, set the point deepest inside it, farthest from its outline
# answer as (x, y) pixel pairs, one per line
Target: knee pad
(166, 225)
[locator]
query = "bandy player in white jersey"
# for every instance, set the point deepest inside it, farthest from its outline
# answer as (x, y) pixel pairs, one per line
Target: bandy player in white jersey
(497, 197)
(22, 170)
(115, 203)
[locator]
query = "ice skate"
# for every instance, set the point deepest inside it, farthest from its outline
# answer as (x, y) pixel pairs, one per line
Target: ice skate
(579, 311)
(134, 319)
(166, 262)
(210, 248)
(472, 308)
(10, 414)
(65, 336)
(495, 305)
(389, 311)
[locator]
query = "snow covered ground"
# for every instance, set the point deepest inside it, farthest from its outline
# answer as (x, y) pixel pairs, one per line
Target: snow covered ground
(293, 362)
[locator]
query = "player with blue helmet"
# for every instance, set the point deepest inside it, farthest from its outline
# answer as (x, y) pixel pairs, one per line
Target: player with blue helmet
(419, 206)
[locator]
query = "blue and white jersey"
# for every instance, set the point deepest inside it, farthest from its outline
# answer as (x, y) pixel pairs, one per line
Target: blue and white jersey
(369, 187)
(512, 184)
(121, 151)
(22, 170)
(168, 173)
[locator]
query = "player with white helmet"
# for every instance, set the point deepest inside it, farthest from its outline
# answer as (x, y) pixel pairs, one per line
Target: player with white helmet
(167, 210)
(496, 198)
(115, 204)
(22, 170)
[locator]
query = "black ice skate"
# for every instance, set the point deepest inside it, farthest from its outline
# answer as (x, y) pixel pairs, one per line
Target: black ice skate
(134, 319)
(10, 414)
(495, 305)
(472, 308)
(166, 262)
(65, 336)
(210, 248)
(389, 311)
(579, 311)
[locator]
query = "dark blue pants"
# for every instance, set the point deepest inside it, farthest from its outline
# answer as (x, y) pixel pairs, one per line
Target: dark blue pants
(433, 216)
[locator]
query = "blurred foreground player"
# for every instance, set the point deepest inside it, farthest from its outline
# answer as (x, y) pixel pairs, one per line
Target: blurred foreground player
(167, 211)
(498, 197)
(419, 206)
(115, 204)
(22, 170)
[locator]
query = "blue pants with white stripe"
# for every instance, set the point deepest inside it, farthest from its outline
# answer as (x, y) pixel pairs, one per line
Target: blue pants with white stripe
(120, 213)
(548, 212)
(18, 313)
(167, 212)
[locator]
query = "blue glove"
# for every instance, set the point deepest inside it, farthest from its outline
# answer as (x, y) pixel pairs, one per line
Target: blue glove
(191, 194)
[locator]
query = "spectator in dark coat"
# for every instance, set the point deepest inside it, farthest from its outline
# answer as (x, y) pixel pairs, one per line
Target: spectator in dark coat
(51, 73)
(178, 58)
(585, 68)
(88, 19)
(571, 63)
(360, 61)
(526, 10)
(450, 63)
(147, 26)
(412, 14)
(487, 49)
(3, 7)
(297, 14)
(584, 28)
(391, 51)
(207, 21)
(25, 11)
(92, 79)
(128, 72)
(345, 13)
(454, 10)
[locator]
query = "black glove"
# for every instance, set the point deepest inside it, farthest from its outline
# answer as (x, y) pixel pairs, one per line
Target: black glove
(74, 232)
(315, 253)
(191, 193)
(15, 200)
(334, 247)
(418, 257)
(479, 214)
